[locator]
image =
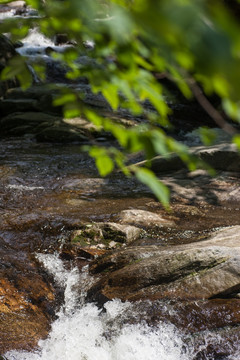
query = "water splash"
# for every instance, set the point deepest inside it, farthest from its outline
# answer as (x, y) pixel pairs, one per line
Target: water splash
(85, 332)
(35, 44)
(7, 14)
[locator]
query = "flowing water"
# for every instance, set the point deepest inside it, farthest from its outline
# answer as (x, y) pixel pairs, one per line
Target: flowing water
(85, 332)
(60, 188)
(82, 331)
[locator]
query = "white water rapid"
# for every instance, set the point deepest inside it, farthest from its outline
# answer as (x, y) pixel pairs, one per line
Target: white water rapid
(85, 332)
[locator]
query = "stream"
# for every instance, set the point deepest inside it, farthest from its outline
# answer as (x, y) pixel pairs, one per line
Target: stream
(83, 331)
(47, 191)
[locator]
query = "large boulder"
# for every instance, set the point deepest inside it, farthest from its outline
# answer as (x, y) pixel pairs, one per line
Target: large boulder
(44, 127)
(222, 156)
(31, 122)
(202, 270)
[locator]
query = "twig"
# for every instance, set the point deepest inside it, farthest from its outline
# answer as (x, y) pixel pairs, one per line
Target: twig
(209, 108)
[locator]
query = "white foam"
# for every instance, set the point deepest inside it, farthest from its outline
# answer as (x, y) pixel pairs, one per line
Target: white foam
(89, 335)
(84, 332)
(35, 43)
(7, 14)
(24, 187)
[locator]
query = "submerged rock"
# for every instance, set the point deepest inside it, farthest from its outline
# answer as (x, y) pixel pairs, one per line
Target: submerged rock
(202, 270)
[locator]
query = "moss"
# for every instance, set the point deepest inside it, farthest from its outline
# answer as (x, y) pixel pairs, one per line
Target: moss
(203, 270)
(136, 261)
(83, 241)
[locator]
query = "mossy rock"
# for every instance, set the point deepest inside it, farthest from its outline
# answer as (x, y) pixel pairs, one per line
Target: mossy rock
(107, 234)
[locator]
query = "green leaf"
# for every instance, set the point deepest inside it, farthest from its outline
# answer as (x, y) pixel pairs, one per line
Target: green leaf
(236, 140)
(94, 117)
(64, 99)
(159, 143)
(104, 164)
(207, 135)
(71, 111)
(17, 68)
(110, 92)
(232, 109)
(160, 190)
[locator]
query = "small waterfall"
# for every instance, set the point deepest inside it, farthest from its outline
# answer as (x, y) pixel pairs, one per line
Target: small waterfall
(85, 332)
(7, 14)
(35, 44)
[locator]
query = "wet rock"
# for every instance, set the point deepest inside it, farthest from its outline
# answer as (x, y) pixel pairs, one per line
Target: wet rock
(198, 187)
(63, 200)
(61, 134)
(74, 252)
(45, 127)
(143, 218)
(31, 120)
(17, 4)
(26, 304)
(105, 235)
(201, 270)
(41, 96)
(8, 106)
(223, 156)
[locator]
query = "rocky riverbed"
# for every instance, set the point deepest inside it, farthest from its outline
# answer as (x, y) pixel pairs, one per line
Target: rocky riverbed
(52, 199)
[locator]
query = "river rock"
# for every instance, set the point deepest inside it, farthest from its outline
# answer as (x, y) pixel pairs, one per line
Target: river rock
(143, 218)
(61, 133)
(41, 96)
(26, 302)
(45, 127)
(12, 124)
(8, 106)
(105, 235)
(222, 156)
(202, 270)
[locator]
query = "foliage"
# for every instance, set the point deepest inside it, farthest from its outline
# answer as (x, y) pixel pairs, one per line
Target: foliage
(194, 44)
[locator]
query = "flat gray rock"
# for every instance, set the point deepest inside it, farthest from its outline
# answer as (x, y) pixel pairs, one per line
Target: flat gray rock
(202, 270)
